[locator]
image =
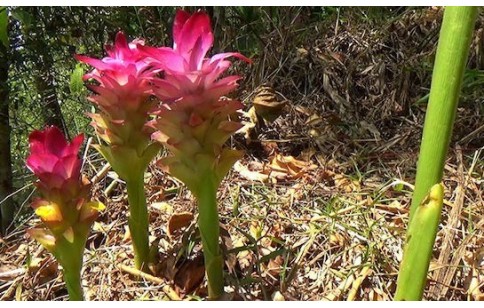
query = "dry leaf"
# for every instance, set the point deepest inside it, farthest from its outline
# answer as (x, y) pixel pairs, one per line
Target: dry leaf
(190, 275)
(288, 167)
(167, 267)
(278, 297)
(301, 53)
(127, 234)
(248, 174)
(274, 266)
(266, 104)
(177, 222)
(270, 148)
(307, 153)
(44, 269)
(163, 207)
(244, 257)
(337, 241)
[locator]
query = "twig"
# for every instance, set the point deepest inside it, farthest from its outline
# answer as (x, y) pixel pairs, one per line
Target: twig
(365, 271)
(472, 134)
(165, 287)
(10, 291)
(104, 170)
(88, 143)
(12, 274)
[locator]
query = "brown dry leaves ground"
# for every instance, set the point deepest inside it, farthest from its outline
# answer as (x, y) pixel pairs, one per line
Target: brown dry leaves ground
(317, 209)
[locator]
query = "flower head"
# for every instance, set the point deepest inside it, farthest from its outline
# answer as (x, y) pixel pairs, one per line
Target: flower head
(195, 120)
(187, 70)
(55, 162)
(52, 159)
(123, 95)
(64, 210)
(122, 89)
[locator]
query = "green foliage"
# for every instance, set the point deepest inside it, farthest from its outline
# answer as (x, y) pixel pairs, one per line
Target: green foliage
(4, 26)
(23, 16)
(76, 84)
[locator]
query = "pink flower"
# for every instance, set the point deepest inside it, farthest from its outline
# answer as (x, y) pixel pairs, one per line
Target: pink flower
(64, 210)
(122, 93)
(186, 69)
(122, 77)
(52, 159)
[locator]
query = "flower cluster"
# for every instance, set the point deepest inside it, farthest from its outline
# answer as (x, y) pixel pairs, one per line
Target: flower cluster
(123, 97)
(195, 121)
(64, 206)
(146, 98)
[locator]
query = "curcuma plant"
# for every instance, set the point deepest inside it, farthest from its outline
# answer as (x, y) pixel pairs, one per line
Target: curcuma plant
(194, 122)
(64, 208)
(122, 96)
(450, 61)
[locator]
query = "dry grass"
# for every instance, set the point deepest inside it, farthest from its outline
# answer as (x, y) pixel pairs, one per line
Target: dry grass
(333, 232)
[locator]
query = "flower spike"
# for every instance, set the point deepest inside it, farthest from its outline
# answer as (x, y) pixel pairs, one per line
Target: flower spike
(195, 122)
(122, 94)
(64, 196)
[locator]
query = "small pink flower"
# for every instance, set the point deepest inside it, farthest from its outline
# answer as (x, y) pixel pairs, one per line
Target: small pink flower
(52, 159)
(186, 69)
(122, 77)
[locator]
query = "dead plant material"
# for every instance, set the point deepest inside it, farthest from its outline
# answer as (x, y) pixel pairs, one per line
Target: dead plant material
(165, 287)
(190, 275)
(177, 222)
(266, 103)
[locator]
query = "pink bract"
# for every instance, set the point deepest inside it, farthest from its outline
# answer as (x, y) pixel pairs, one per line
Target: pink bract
(187, 70)
(122, 74)
(52, 158)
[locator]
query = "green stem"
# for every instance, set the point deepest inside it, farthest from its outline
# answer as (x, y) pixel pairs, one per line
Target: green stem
(138, 220)
(70, 256)
(72, 278)
(419, 245)
(450, 61)
(208, 223)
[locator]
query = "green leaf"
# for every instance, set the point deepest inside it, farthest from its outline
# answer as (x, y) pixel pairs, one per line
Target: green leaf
(272, 255)
(398, 187)
(22, 16)
(3, 26)
(76, 85)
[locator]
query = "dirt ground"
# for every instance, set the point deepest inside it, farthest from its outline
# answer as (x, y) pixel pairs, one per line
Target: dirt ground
(317, 209)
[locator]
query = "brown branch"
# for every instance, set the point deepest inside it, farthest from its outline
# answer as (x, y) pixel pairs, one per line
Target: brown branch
(165, 287)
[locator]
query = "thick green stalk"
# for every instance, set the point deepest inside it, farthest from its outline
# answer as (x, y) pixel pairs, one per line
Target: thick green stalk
(131, 166)
(70, 256)
(208, 223)
(138, 220)
(450, 62)
(419, 244)
(72, 278)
